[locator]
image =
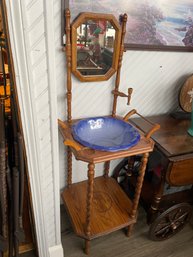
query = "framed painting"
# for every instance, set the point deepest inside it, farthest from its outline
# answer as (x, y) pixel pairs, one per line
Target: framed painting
(165, 25)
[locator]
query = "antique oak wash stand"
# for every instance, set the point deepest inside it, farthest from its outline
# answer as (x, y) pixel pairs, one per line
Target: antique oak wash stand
(167, 192)
(99, 206)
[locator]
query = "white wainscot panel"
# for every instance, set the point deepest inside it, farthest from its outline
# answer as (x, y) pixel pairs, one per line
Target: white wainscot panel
(34, 10)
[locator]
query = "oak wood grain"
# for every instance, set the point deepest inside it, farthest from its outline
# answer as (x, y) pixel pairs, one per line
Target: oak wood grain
(110, 207)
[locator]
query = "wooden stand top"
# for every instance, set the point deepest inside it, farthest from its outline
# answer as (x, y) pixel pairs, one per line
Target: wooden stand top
(90, 155)
(172, 138)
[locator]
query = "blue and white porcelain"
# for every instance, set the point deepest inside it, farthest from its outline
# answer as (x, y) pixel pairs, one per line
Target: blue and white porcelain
(105, 134)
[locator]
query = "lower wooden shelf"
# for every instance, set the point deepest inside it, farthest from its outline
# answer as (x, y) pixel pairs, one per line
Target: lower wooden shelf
(110, 210)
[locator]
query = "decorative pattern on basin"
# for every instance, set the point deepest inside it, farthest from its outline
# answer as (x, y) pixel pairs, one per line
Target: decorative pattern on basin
(105, 134)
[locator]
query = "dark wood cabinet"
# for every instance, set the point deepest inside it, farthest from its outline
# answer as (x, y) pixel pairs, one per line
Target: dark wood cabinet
(168, 189)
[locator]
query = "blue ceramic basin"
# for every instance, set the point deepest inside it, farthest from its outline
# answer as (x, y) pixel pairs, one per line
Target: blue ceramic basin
(105, 134)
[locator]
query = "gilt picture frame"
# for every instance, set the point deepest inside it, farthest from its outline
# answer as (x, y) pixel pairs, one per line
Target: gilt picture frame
(161, 25)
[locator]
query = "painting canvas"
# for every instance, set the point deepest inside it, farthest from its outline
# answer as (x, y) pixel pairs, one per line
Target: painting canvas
(152, 24)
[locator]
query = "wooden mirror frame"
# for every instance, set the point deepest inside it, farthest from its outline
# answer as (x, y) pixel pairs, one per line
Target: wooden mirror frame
(117, 42)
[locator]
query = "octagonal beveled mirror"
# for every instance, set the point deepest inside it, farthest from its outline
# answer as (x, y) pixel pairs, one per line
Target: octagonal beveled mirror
(95, 46)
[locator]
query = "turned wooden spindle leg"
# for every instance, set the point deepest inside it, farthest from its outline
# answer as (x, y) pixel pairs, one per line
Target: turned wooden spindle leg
(87, 247)
(138, 190)
(106, 169)
(90, 186)
(156, 199)
(69, 64)
(69, 166)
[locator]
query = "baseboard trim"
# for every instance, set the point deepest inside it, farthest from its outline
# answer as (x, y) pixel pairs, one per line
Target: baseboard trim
(56, 251)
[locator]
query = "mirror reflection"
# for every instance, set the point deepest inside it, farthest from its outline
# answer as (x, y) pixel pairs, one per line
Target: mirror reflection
(95, 42)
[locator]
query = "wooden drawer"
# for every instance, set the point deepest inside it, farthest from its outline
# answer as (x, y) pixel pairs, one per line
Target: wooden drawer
(180, 172)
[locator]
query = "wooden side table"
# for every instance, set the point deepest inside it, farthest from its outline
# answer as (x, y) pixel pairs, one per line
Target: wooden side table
(99, 206)
(175, 148)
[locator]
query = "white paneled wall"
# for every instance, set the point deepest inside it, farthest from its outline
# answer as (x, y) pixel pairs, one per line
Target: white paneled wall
(31, 26)
(35, 36)
(155, 77)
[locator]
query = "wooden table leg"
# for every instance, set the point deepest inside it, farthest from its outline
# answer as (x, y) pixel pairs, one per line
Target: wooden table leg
(156, 199)
(106, 169)
(138, 190)
(90, 186)
(87, 247)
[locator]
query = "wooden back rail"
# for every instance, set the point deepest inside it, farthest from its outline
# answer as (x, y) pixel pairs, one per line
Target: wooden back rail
(69, 91)
(69, 65)
(117, 82)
